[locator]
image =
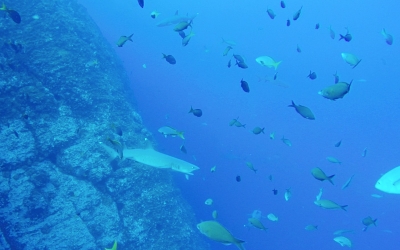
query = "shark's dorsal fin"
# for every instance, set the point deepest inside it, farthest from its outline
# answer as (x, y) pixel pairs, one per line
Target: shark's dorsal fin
(149, 145)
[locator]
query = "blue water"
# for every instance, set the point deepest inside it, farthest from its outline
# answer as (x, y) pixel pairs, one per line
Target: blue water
(368, 116)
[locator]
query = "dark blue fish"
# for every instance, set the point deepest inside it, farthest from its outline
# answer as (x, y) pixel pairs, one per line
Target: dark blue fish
(283, 5)
(242, 65)
(169, 58)
(336, 77)
(182, 34)
(14, 15)
(245, 86)
(276, 74)
(275, 191)
(229, 63)
(196, 112)
(388, 37)
(240, 61)
(337, 144)
(347, 37)
(238, 58)
(238, 178)
(303, 111)
(141, 3)
(183, 149)
(288, 23)
(297, 14)
(298, 49)
(312, 75)
(271, 13)
(317, 26)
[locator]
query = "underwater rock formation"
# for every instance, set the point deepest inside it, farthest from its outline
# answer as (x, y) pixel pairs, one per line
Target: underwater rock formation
(63, 90)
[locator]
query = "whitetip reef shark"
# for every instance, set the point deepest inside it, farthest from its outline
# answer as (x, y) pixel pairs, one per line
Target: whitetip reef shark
(153, 158)
(176, 19)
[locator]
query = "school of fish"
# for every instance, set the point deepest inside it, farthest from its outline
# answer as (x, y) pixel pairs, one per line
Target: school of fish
(338, 89)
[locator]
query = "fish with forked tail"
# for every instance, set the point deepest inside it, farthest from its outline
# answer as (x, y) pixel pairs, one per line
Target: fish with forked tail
(218, 233)
(14, 15)
(123, 39)
(303, 111)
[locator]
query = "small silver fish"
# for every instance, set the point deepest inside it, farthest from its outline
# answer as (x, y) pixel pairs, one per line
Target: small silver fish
(347, 182)
(288, 194)
(328, 204)
(333, 160)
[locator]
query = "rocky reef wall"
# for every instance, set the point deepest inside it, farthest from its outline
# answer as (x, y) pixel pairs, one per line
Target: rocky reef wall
(62, 92)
